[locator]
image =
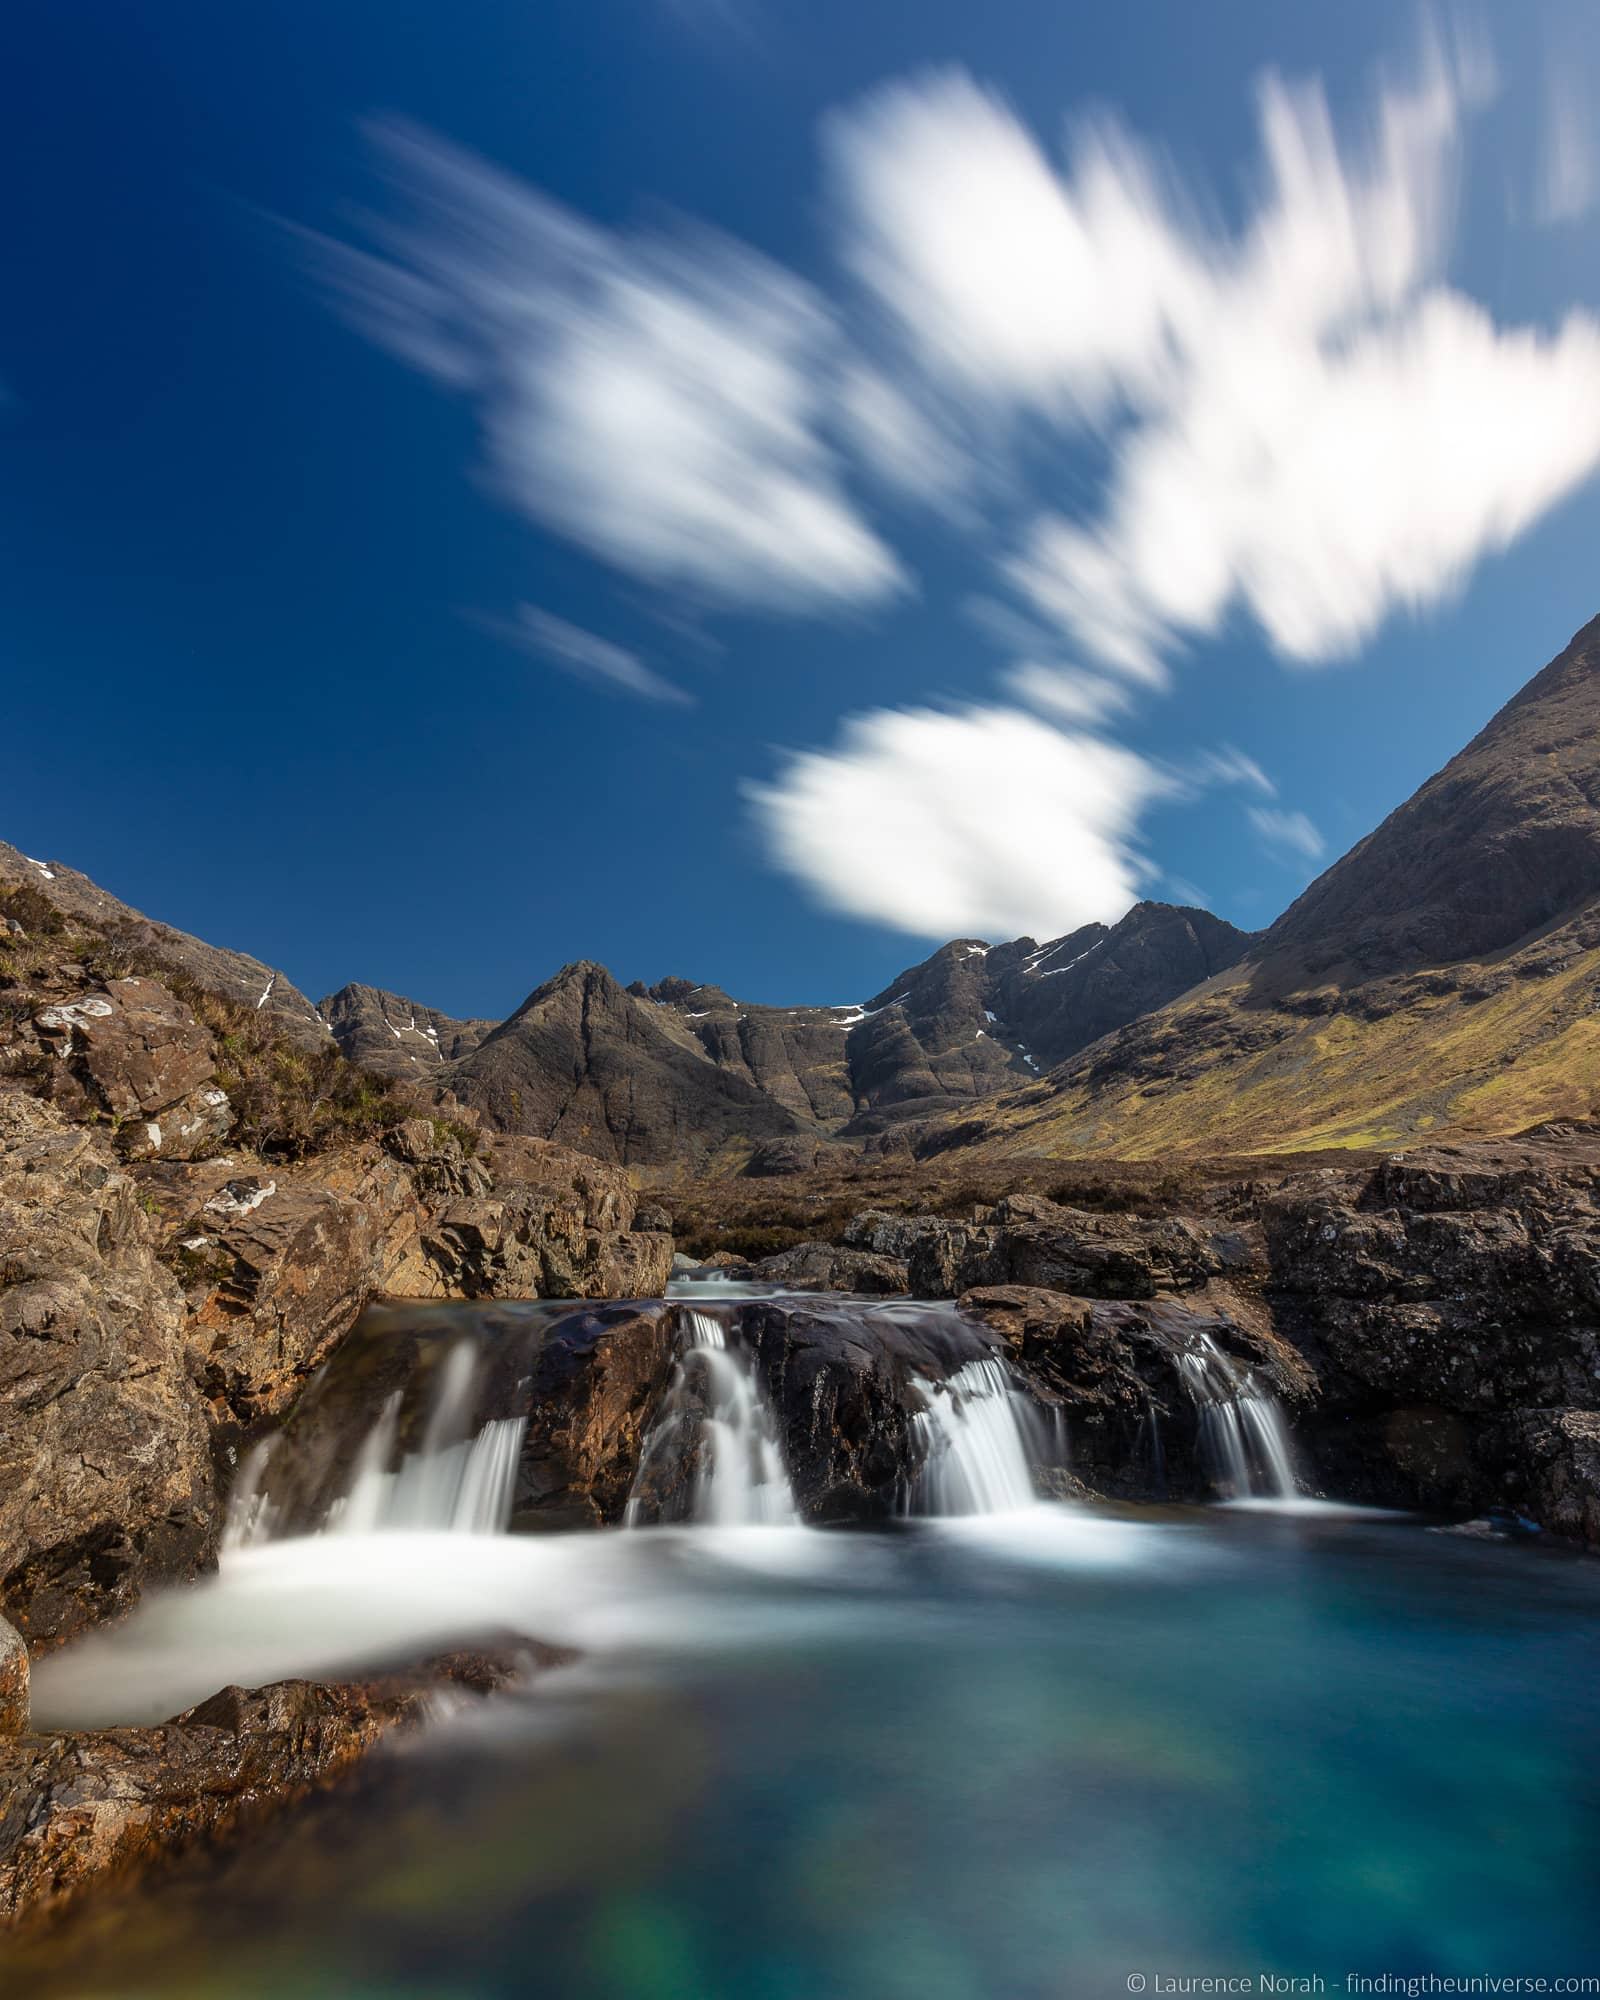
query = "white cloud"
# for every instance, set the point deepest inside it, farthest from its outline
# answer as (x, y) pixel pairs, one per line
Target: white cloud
(585, 655)
(1569, 169)
(659, 399)
(1230, 766)
(1064, 693)
(1288, 833)
(1303, 419)
(984, 821)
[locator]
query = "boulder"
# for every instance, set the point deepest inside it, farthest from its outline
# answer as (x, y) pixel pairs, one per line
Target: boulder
(1554, 1461)
(132, 1052)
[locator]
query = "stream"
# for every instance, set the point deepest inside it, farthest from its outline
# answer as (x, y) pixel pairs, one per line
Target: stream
(992, 1746)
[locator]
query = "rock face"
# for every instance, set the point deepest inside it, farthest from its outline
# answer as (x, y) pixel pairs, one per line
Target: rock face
(13, 1681)
(596, 1382)
(591, 1066)
(396, 1037)
(235, 974)
(1444, 973)
(105, 1468)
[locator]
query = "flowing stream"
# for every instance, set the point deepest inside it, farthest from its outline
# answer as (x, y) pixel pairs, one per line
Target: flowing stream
(993, 1748)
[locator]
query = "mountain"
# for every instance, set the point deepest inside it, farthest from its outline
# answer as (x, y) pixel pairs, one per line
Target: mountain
(966, 1023)
(1444, 974)
(394, 1036)
(616, 1076)
(234, 974)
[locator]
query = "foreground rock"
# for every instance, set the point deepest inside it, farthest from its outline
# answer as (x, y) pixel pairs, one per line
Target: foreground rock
(79, 1809)
(105, 1470)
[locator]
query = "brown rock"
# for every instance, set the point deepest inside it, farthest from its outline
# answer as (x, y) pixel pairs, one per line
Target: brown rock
(105, 1470)
(596, 1383)
(13, 1681)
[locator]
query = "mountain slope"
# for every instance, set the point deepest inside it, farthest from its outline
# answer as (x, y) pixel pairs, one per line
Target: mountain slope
(234, 974)
(1444, 974)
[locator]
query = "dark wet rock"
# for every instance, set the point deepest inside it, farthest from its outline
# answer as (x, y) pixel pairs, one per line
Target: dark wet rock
(596, 1381)
(1112, 1369)
(1554, 1461)
(842, 1382)
(13, 1681)
(825, 1267)
(80, 1809)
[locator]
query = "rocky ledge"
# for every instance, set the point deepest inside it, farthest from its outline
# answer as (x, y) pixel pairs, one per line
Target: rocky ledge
(79, 1809)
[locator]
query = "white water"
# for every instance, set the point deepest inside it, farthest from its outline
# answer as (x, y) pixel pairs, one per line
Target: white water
(973, 1431)
(716, 1401)
(456, 1482)
(1242, 1432)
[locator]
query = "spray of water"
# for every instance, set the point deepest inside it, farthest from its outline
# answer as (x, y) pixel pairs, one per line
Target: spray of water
(1242, 1432)
(974, 1431)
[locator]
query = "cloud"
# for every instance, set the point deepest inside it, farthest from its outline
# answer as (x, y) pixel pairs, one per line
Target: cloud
(658, 399)
(1302, 419)
(1229, 766)
(1288, 833)
(1569, 169)
(585, 655)
(1064, 693)
(983, 821)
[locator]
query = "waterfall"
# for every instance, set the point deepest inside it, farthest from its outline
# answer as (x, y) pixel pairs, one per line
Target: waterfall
(974, 1431)
(1242, 1432)
(716, 1416)
(454, 1479)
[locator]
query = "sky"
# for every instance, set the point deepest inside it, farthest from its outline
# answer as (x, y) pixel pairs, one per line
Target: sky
(751, 489)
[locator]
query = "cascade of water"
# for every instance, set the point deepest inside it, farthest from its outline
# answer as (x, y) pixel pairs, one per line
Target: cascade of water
(454, 1479)
(716, 1411)
(974, 1430)
(1242, 1432)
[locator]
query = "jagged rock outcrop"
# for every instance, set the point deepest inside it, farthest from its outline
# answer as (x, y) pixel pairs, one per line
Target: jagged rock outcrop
(13, 1681)
(394, 1036)
(593, 1067)
(1444, 974)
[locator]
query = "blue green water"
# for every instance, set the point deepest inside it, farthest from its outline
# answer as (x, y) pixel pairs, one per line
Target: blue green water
(979, 1761)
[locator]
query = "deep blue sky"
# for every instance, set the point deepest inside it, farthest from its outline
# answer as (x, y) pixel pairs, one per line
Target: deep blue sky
(241, 546)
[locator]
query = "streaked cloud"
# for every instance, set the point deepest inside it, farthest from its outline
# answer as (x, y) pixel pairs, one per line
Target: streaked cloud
(981, 820)
(658, 399)
(585, 655)
(1290, 834)
(1569, 166)
(1303, 419)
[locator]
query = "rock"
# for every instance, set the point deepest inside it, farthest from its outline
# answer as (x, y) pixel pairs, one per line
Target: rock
(651, 1216)
(105, 1466)
(683, 1265)
(842, 1384)
(13, 1681)
(1028, 1240)
(777, 1158)
(134, 1053)
(394, 1037)
(234, 974)
(77, 1810)
(1112, 1368)
(596, 1381)
(1556, 1456)
(823, 1267)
